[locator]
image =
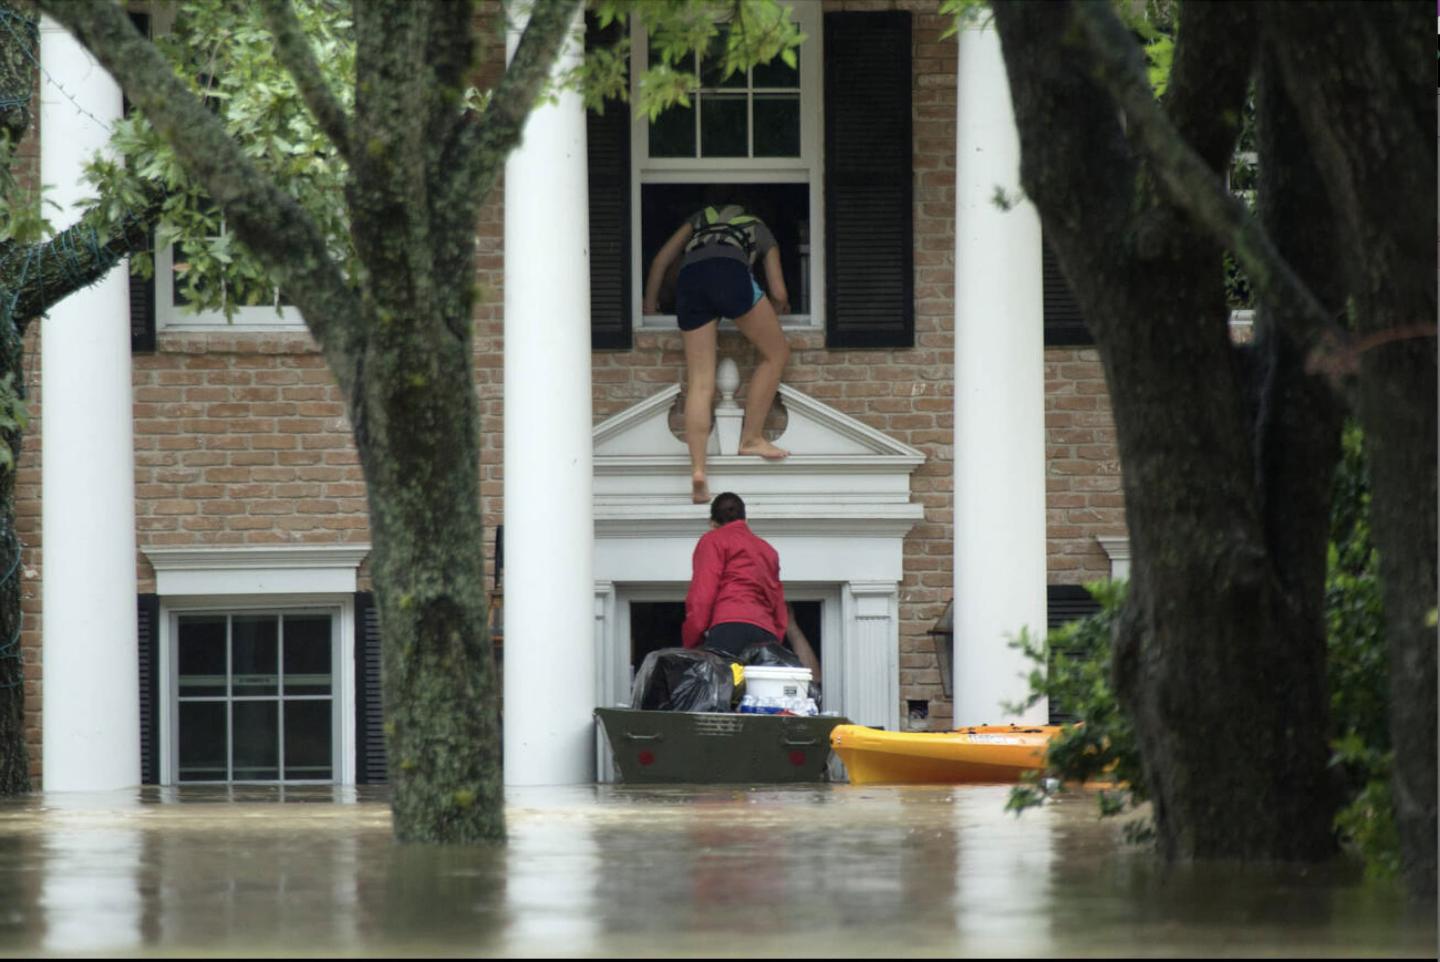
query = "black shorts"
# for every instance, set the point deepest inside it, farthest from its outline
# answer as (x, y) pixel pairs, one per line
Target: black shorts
(733, 637)
(714, 287)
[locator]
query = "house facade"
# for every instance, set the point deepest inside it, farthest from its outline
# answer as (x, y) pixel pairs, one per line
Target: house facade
(196, 594)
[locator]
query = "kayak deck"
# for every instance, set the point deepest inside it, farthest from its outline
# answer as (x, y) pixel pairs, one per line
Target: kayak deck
(979, 753)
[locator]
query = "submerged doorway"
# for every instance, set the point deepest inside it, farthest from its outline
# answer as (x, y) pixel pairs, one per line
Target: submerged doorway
(656, 624)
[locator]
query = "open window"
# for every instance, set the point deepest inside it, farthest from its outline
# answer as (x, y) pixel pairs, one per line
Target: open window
(759, 133)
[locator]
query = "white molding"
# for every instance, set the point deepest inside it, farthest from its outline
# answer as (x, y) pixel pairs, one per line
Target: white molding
(1117, 549)
(247, 570)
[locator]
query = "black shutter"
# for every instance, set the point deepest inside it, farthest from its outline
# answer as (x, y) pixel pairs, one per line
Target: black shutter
(369, 713)
(148, 634)
(142, 292)
(142, 308)
(1064, 324)
(1066, 603)
(869, 236)
(607, 138)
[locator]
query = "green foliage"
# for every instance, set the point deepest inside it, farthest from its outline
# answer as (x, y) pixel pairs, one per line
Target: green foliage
(733, 36)
(1358, 667)
(225, 54)
(1073, 672)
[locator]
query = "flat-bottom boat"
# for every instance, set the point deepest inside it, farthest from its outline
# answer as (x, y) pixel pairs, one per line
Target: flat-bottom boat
(980, 753)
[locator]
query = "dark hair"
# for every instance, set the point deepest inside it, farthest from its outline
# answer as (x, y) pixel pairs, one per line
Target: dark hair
(727, 507)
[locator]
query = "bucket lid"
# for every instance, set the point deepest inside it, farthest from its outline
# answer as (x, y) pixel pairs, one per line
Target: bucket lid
(777, 672)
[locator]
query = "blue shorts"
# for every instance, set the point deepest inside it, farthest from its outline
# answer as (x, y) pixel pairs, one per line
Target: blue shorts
(714, 287)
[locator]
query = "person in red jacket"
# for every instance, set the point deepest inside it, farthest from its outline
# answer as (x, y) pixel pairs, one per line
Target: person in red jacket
(735, 598)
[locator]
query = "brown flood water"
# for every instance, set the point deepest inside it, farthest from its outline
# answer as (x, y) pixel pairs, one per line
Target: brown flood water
(823, 870)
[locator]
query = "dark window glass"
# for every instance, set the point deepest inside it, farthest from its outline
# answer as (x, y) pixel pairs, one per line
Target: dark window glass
(777, 125)
(257, 743)
(202, 742)
(672, 134)
(776, 73)
(307, 655)
(255, 658)
(201, 656)
(723, 126)
(712, 69)
(307, 740)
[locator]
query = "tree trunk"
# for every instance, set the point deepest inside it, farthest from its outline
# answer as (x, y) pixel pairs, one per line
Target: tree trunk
(1218, 655)
(419, 444)
(1360, 77)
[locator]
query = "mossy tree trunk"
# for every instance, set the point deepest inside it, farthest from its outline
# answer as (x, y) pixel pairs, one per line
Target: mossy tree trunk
(398, 340)
(1228, 451)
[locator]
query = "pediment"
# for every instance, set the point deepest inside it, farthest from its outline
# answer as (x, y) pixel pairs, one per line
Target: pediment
(813, 430)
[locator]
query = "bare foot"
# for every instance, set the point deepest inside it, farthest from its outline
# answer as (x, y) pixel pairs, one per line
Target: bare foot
(764, 449)
(699, 490)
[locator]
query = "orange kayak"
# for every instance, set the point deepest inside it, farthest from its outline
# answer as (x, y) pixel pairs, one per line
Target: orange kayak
(980, 753)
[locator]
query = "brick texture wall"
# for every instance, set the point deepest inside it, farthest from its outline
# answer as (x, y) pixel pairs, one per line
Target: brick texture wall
(243, 439)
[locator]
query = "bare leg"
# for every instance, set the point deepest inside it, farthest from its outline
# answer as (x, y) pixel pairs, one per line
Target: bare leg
(762, 328)
(699, 394)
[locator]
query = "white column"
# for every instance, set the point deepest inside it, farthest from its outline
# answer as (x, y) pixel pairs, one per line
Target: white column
(91, 736)
(999, 397)
(549, 515)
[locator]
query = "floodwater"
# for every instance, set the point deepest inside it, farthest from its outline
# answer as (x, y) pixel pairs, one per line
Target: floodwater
(602, 870)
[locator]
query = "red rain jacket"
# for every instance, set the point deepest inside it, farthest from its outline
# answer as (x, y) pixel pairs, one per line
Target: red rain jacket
(736, 577)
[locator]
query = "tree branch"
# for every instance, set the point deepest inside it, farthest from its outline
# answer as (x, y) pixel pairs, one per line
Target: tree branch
(1195, 188)
(270, 222)
(1214, 55)
(479, 150)
(38, 276)
(295, 55)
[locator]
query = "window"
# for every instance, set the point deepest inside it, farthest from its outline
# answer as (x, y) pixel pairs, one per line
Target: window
(255, 696)
(756, 133)
(172, 306)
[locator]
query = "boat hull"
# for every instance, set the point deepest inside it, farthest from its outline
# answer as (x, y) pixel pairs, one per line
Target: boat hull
(979, 754)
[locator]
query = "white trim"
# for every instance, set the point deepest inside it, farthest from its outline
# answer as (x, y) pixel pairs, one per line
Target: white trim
(341, 608)
(246, 570)
(170, 316)
(1117, 549)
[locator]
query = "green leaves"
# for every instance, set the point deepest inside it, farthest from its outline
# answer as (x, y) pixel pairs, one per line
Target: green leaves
(730, 35)
(225, 53)
(1073, 672)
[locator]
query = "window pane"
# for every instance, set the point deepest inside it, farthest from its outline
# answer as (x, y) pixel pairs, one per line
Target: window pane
(201, 655)
(776, 73)
(777, 125)
(722, 126)
(673, 133)
(255, 645)
(307, 654)
(257, 745)
(307, 739)
(202, 742)
(713, 66)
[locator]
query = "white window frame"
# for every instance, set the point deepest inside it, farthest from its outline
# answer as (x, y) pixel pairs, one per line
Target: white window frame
(170, 316)
(809, 168)
(342, 696)
(206, 578)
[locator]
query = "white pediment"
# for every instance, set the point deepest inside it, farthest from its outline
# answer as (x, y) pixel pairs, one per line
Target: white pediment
(841, 475)
(813, 429)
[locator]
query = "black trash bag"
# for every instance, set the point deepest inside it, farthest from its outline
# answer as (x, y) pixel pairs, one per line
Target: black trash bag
(769, 653)
(683, 679)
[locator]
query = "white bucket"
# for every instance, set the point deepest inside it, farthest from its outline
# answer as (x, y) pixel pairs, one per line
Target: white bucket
(776, 681)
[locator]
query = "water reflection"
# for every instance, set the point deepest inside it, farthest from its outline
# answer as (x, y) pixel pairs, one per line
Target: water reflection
(615, 870)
